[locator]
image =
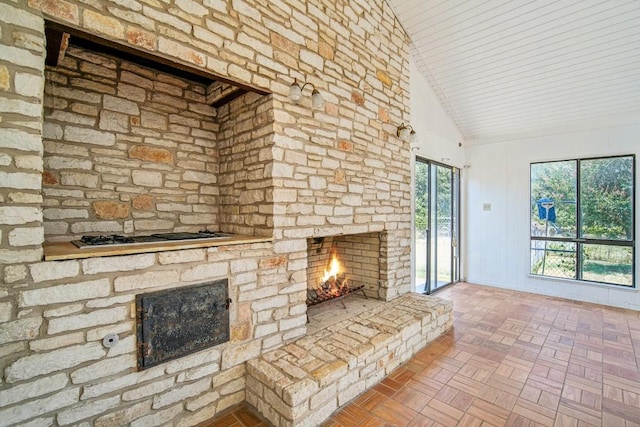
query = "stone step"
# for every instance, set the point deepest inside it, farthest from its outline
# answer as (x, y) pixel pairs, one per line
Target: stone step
(304, 382)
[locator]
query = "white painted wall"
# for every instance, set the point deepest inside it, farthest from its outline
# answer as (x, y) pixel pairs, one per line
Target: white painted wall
(438, 136)
(495, 243)
(496, 249)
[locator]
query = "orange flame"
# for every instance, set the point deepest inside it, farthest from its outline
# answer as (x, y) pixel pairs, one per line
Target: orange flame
(334, 269)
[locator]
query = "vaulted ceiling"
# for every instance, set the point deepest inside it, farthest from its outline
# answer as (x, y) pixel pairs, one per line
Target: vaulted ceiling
(507, 69)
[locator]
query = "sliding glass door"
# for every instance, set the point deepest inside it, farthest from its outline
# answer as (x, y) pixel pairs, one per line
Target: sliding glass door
(436, 216)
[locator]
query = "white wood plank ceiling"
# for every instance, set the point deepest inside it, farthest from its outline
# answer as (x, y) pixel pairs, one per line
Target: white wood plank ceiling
(517, 68)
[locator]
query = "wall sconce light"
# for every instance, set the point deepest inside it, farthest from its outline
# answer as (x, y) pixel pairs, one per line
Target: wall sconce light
(295, 93)
(406, 133)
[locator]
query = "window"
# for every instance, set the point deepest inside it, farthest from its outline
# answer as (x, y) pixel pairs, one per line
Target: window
(582, 219)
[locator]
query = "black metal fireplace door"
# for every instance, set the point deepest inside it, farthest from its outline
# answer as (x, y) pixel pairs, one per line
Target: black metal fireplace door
(180, 321)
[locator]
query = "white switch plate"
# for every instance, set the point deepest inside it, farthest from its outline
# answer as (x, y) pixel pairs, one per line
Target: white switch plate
(486, 206)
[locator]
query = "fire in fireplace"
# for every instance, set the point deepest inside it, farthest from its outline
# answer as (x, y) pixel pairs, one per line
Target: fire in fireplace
(334, 284)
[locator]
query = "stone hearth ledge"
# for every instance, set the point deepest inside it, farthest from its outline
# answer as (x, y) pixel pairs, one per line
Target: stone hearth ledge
(303, 383)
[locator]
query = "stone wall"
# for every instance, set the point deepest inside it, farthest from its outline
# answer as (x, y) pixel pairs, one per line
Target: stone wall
(336, 171)
(21, 86)
(127, 150)
(245, 145)
(54, 362)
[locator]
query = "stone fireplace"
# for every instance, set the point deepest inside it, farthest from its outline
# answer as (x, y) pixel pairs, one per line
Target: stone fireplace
(96, 144)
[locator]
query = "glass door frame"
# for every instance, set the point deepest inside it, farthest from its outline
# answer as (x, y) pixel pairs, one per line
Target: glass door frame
(454, 266)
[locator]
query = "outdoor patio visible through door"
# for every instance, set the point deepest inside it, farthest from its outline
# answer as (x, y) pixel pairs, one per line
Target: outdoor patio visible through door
(437, 195)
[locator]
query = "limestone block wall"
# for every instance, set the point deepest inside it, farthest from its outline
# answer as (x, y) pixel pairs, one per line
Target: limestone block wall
(336, 171)
(127, 150)
(245, 146)
(55, 368)
(21, 87)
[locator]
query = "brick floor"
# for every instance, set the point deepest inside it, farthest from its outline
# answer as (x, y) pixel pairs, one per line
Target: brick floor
(512, 359)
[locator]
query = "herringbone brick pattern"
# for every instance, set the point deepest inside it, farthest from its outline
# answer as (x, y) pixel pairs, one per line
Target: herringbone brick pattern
(513, 359)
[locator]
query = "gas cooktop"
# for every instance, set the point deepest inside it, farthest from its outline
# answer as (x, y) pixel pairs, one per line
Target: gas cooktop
(119, 240)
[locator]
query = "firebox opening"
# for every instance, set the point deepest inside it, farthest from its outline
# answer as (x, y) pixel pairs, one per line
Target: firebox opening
(334, 284)
(341, 265)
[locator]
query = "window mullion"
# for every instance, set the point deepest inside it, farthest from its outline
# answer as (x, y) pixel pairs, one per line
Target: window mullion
(578, 223)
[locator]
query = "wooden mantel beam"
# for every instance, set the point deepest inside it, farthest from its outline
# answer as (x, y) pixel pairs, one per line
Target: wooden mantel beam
(219, 93)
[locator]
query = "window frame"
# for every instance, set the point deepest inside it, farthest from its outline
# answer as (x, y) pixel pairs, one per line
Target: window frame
(580, 241)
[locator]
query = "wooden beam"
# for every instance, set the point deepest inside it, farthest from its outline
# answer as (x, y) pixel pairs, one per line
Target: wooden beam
(219, 93)
(57, 44)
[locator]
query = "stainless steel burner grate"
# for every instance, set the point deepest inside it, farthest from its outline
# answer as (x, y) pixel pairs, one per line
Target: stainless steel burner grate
(105, 240)
(116, 239)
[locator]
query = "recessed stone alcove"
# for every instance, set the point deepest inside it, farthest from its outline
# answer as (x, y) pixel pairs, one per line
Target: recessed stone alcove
(131, 150)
